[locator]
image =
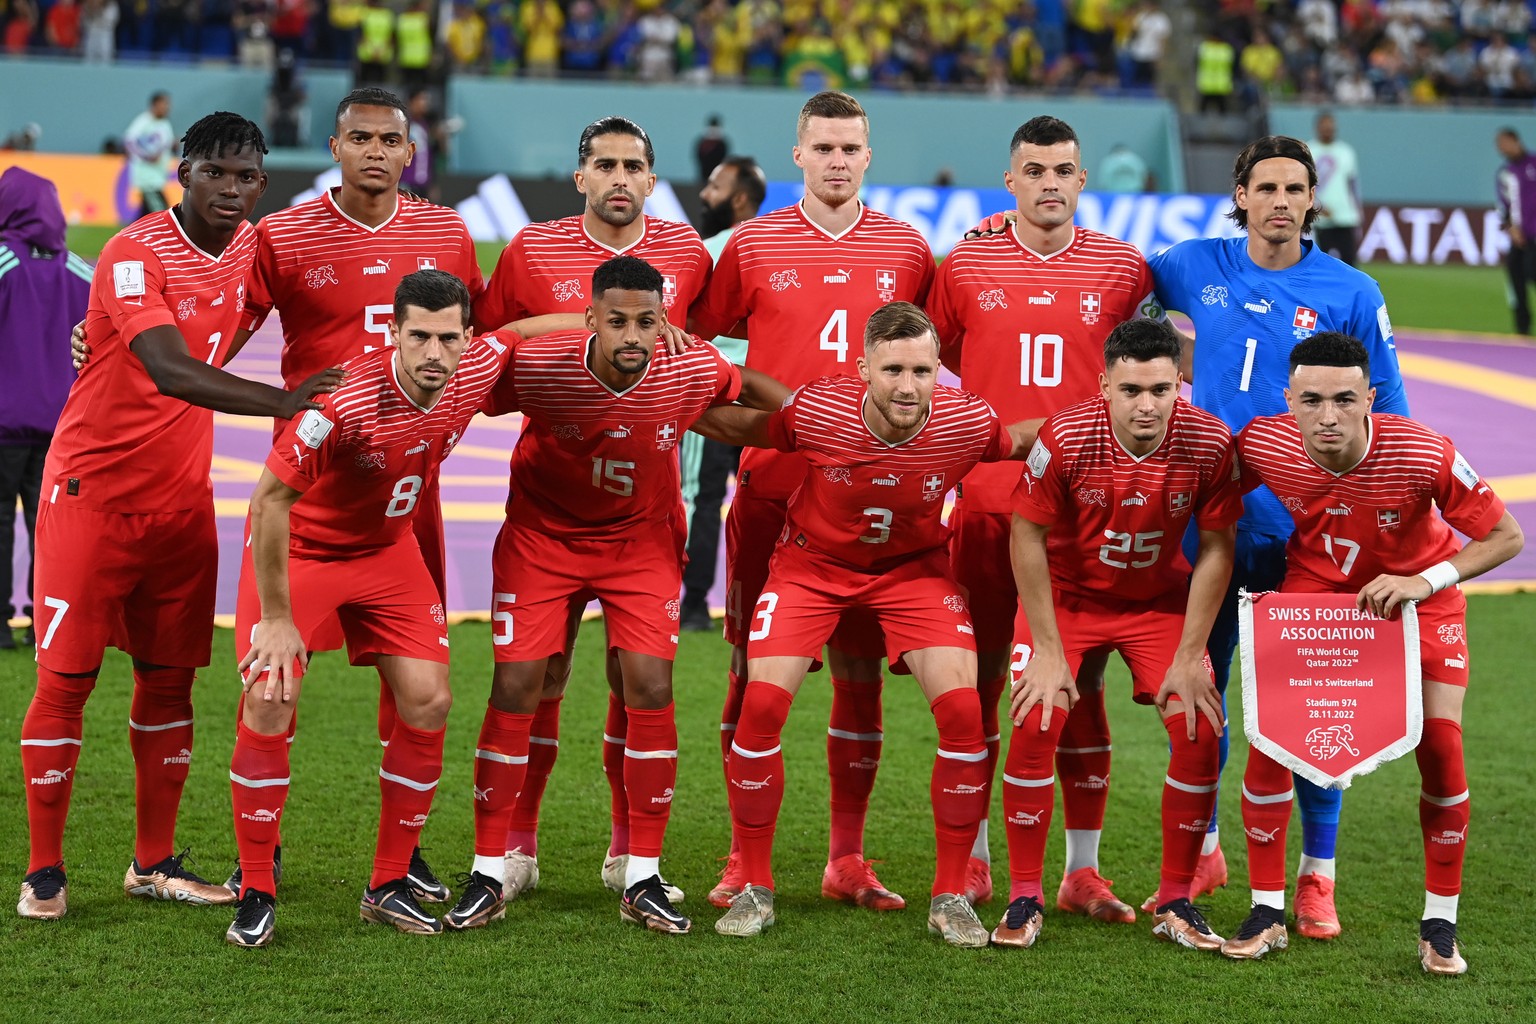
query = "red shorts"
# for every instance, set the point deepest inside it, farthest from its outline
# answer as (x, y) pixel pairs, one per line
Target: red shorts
(385, 602)
(752, 531)
(1146, 633)
(915, 605)
(144, 584)
(540, 578)
(978, 548)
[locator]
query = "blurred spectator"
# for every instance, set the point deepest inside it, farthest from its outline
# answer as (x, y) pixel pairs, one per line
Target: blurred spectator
(375, 44)
(1515, 191)
(25, 140)
(98, 30)
(413, 44)
(1122, 170)
(466, 37)
(501, 35)
(711, 147)
(1320, 21)
(420, 174)
(150, 143)
(287, 104)
(1352, 89)
(341, 28)
(812, 60)
(1150, 29)
(20, 29)
(1214, 60)
(176, 25)
(290, 25)
(252, 22)
(1263, 66)
(1339, 214)
(584, 39)
(1499, 62)
(44, 291)
(541, 22)
(62, 26)
(656, 58)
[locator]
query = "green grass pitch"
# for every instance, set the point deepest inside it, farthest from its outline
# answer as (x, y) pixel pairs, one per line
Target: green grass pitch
(563, 955)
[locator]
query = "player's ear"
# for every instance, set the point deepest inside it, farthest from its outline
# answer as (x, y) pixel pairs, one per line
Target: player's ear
(184, 174)
(795, 154)
(1104, 385)
(1290, 401)
(1370, 399)
(863, 365)
(591, 319)
(579, 179)
(1008, 181)
(335, 149)
(650, 183)
(261, 189)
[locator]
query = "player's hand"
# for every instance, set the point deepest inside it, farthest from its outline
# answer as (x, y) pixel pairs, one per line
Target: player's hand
(1516, 236)
(78, 349)
(1042, 681)
(275, 646)
(322, 383)
(996, 224)
(675, 338)
(1384, 595)
(1189, 680)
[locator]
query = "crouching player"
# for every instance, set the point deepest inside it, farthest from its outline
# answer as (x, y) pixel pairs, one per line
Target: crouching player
(331, 534)
(863, 532)
(1391, 473)
(1111, 485)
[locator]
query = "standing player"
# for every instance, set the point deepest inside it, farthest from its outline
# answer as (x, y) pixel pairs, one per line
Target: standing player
(864, 532)
(127, 554)
(1022, 316)
(331, 534)
(1251, 298)
(546, 270)
(1112, 484)
(815, 270)
(593, 513)
(1392, 475)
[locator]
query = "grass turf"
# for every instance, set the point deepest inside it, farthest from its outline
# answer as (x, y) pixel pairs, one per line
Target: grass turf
(563, 955)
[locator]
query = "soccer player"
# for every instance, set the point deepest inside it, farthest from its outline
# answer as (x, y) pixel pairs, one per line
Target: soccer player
(594, 513)
(1070, 287)
(546, 270)
(1390, 475)
(331, 534)
(1251, 298)
(1112, 483)
(863, 531)
(805, 278)
(127, 554)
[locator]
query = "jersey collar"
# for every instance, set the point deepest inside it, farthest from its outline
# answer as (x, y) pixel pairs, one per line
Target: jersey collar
(330, 200)
(1370, 445)
(863, 212)
(1013, 233)
(645, 229)
(586, 357)
(394, 378)
(181, 233)
(1138, 459)
(896, 444)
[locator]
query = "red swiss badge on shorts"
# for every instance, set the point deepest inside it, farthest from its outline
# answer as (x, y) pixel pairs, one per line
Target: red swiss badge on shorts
(1329, 691)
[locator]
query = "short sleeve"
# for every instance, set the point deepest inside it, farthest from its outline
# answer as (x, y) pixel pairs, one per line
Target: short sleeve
(945, 314)
(1372, 325)
(1221, 493)
(727, 380)
(1465, 499)
(723, 302)
(496, 305)
(258, 285)
(1038, 496)
(304, 448)
(133, 289)
(781, 426)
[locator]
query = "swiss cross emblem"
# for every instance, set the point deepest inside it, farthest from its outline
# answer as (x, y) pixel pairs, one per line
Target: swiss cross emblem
(668, 289)
(426, 263)
(933, 486)
(1387, 518)
(666, 435)
(1306, 319)
(885, 284)
(1178, 502)
(1089, 304)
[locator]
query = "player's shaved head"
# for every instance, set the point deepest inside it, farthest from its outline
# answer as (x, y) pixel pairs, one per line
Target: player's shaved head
(895, 321)
(613, 126)
(370, 96)
(626, 273)
(1271, 147)
(221, 133)
(1141, 341)
(1043, 131)
(431, 290)
(1332, 348)
(837, 106)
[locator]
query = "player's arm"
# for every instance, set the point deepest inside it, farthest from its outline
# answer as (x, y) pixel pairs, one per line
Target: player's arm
(275, 642)
(1045, 679)
(1383, 595)
(760, 391)
(1188, 678)
(1023, 434)
(735, 425)
(176, 374)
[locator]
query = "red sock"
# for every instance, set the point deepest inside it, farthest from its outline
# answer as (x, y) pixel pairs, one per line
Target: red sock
(615, 768)
(650, 773)
(1445, 806)
(1029, 797)
(386, 710)
(959, 787)
(413, 762)
(991, 692)
(735, 690)
(1082, 763)
(854, 739)
(501, 764)
(160, 736)
(1267, 797)
(258, 787)
(756, 778)
(543, 748)
(1189, 800)
(50, 748)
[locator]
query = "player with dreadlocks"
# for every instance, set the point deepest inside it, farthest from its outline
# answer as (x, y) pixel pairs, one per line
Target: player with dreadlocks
(126, 550)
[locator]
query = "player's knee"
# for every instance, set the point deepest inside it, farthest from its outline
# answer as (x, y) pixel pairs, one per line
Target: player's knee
(268, 717)
(648, 691)
(64, 692)
(1439, 746)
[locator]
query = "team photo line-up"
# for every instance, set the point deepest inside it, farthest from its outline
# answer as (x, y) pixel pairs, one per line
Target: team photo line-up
(1096, 511)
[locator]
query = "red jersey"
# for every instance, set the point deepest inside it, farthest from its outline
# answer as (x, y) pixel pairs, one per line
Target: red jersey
(1118, 521)
(866, 503)
(120, 445)
(547, 268)
(362, 459)
(1378, 517)
(805, 295)
(594, 461)
(1026, 332)
(333, 280)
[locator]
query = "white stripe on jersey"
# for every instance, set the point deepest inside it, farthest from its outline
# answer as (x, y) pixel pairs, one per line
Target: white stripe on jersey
(1401, 466)
(785, 239)
(309, 230)
(829, 419)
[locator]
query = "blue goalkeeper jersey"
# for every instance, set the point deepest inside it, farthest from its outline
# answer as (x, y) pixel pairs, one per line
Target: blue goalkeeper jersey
(1248, 319)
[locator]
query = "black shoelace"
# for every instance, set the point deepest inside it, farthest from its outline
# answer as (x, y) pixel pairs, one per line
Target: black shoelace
(1259, 918)
(46, 882)
(1440, 934)
(1021, 910)
(1190, 914)
(469, 881)
(251, 907)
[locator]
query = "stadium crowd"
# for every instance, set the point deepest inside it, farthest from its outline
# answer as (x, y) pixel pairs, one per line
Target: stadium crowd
(1351, 52)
